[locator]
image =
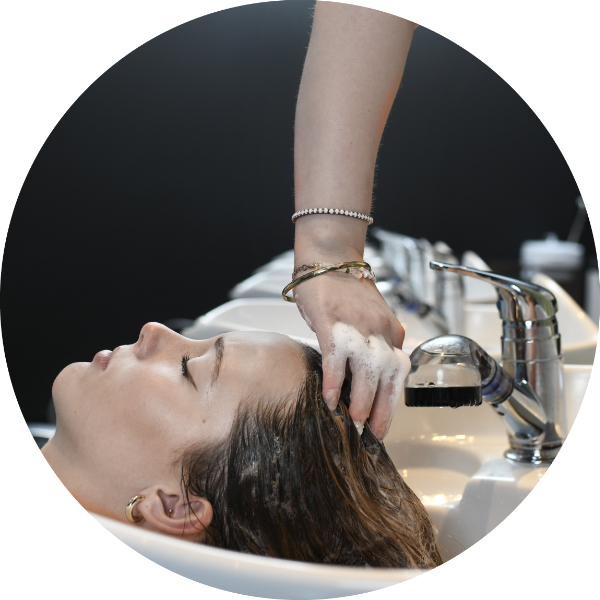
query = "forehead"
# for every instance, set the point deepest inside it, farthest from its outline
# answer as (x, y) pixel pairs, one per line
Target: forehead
(266, 340)
(267, 360)
(266, 347)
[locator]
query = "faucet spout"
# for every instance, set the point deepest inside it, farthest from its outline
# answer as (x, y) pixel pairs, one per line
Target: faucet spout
(518, 300)
(529, 387)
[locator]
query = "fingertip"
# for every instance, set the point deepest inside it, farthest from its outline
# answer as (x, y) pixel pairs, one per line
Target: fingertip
(358, 414)
(362, 396)
(381, 433)
(383, 409)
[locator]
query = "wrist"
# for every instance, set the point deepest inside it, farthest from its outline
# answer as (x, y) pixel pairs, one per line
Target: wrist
(325, 251)
(329, 238)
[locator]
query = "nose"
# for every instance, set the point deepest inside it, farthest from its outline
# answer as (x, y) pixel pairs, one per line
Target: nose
(153, 336)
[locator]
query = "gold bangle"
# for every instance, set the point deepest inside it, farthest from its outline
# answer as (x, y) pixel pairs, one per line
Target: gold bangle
(321, 271)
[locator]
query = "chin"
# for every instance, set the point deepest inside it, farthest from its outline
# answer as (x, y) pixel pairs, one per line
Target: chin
(64, 385)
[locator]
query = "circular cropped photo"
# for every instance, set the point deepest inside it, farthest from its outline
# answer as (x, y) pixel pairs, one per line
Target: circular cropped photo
(321, 295)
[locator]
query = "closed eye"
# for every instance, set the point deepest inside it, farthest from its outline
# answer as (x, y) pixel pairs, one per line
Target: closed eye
(184, 366)
(219, 348)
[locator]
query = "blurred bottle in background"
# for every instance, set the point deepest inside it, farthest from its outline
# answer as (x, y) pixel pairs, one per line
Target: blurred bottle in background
(564, 261)
(561, 260)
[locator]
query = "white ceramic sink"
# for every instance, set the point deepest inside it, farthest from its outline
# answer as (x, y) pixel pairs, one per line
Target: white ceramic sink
(273, 314)
(254, 575)
(253, 314)
(452, 459)
(482, 323)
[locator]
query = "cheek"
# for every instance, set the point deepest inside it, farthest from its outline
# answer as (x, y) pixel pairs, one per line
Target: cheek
(151, 410)
(106, 412)
(128, 425)
(136, 405)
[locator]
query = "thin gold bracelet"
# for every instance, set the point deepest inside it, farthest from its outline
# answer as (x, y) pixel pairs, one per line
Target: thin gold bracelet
(321, 271)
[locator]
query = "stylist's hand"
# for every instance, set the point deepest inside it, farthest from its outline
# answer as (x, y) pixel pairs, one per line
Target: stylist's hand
(352, 71)
(357, 333)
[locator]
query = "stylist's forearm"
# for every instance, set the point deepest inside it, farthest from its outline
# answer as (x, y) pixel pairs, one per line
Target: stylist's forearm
(353, 68)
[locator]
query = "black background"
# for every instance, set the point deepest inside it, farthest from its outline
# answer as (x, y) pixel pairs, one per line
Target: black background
(171, 179)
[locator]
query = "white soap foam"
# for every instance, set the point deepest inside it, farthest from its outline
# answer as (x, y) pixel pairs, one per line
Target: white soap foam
(372, 357)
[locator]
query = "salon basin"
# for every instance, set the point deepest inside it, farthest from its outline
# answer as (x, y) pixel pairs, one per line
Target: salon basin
(280, 262)
(579, 333)
(254, 575)
(253, 314)
(452, 459)
(264, 284)
(273, 314)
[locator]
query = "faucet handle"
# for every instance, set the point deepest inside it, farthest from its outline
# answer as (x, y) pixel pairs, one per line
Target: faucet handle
(517, 300)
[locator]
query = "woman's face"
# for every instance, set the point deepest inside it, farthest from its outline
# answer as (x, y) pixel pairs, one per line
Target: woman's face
(124, 419)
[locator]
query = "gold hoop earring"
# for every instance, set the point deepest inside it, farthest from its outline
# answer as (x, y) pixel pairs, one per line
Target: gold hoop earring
(129, 510)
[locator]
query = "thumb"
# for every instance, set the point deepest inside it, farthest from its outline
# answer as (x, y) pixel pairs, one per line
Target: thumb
(400, 334)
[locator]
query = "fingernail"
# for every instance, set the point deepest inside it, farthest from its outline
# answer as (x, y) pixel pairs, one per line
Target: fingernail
(359, 426)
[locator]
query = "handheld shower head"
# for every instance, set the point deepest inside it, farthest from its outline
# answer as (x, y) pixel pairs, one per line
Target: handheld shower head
(452, 370)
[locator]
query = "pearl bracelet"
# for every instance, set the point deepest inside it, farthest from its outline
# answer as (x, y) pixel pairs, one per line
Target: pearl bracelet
(331, 211)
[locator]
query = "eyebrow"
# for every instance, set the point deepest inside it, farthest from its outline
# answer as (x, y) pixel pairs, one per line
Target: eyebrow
(219, 349)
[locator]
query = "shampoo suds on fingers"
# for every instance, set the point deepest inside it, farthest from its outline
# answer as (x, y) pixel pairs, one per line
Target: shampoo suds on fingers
(372, 361)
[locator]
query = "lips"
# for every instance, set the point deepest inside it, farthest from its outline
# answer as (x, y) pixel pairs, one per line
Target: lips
(102, 359)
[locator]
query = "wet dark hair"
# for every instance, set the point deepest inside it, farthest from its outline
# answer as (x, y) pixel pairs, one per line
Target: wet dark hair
(295, 481)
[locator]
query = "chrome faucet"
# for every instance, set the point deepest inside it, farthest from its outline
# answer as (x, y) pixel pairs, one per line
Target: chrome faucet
(436, 297)
(528, 389)
(449, 289)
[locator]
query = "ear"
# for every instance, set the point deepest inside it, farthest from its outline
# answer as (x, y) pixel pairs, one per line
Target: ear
(169, 511)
